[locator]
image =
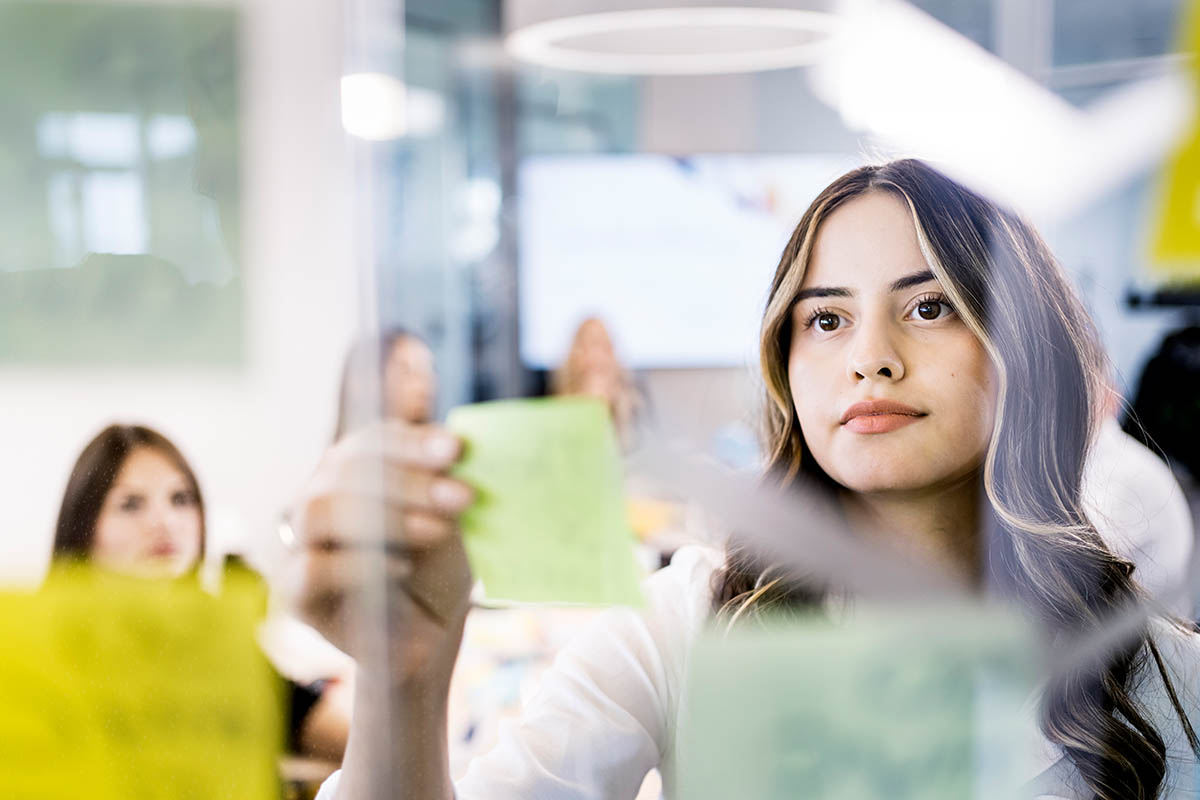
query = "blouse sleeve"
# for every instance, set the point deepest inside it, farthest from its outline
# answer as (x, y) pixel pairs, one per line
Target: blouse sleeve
(604, 714)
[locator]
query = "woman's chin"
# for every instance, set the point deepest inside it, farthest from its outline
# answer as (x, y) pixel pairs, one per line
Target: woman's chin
(159, 568)
(885, 478)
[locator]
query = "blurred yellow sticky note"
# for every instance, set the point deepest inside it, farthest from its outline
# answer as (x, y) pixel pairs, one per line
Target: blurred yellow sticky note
(1177, 238)
(116, 688)
(549, 522)
(898, 705)
(1177, 246)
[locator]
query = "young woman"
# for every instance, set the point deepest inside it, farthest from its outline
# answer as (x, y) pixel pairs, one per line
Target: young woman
(389, 377)
(591, 368)
(927, 363)
(133, 506)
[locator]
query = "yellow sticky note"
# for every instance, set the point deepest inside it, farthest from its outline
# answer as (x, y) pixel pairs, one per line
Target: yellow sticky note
(899, 705)
(115, 688)
(1176, 247)
(549, 522)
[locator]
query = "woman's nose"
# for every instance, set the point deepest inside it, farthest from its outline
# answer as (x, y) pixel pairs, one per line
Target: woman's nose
(159, 518)
(874, 358)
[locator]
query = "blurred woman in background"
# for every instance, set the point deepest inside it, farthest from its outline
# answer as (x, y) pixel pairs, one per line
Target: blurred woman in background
(133, 506)
(390, 376)
(592, 369)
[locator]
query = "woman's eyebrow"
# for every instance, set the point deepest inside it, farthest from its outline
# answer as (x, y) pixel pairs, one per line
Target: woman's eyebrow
(823, 291)
(899, 285)
(909, 281)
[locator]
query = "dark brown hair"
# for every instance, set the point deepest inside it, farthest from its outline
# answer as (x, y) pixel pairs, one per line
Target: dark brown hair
(1041, 549)
(92, 478)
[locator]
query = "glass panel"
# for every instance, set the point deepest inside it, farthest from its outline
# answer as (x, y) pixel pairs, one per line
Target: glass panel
(702, 430)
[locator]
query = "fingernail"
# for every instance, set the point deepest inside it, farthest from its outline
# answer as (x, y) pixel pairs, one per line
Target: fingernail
(450, 494)
(441, 447)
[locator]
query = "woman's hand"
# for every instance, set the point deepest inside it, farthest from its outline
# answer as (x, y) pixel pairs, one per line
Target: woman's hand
(378, 524)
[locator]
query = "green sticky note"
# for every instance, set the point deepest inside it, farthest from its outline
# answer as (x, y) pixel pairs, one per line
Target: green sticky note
(549, 521)
(900, 705)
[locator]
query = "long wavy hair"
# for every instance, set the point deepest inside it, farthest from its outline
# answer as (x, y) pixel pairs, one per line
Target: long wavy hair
(1041, 550)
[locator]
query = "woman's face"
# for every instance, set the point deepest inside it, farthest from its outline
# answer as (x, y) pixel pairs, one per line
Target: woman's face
(150, 523)
(409, 381)
(892, 390)
(594, 349)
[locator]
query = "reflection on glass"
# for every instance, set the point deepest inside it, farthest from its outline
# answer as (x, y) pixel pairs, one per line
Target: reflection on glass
(119, 240)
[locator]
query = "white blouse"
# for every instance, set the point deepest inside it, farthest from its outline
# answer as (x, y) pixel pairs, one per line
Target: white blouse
(606, 712)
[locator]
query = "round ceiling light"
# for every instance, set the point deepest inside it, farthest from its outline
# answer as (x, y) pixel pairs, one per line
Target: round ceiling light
(674, 41)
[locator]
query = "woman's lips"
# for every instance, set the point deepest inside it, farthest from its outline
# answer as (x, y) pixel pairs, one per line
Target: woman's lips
(879, 416)
(880, 423)
(163, 550)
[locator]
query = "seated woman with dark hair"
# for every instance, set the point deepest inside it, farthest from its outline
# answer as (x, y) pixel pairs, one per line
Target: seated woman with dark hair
(133, 506)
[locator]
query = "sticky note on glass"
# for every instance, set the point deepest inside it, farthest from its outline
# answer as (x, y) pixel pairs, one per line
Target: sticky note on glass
(549, 522)
(114, 688)
(1176, 241)
(902, 705)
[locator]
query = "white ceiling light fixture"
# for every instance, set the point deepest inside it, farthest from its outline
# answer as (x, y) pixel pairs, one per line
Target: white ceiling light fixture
(667, 37)
(926, 90)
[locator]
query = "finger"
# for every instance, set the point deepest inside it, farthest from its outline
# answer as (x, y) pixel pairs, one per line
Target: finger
(350, 522)
(426, 446)
(423, 530)
(362, 515)
(366, 475)
(405, 488)
(346, 520)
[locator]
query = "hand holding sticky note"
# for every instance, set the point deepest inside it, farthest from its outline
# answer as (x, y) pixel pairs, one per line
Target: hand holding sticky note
(549, 521)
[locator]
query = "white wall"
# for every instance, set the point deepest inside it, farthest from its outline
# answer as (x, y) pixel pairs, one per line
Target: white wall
(252, 434)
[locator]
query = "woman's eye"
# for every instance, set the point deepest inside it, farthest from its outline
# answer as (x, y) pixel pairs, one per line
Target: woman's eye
(828, 322)
(182, 499)
(131, 503)
(931, 309)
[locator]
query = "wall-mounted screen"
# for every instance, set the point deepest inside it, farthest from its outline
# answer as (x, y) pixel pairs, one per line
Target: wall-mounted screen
(675, 254)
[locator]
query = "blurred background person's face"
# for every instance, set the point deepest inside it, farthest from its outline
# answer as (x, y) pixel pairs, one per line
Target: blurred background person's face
(150, 523)
(409, 381)
(604, 384)
(594, 350)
